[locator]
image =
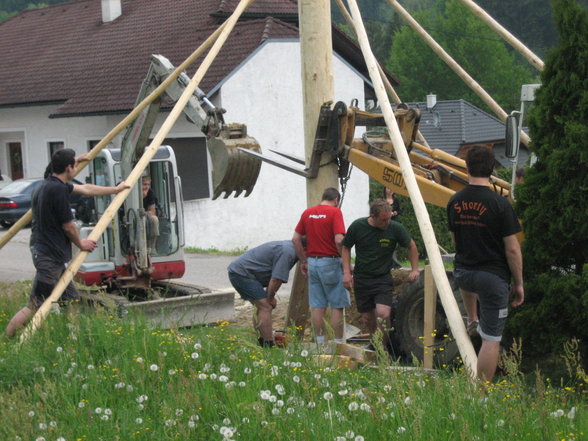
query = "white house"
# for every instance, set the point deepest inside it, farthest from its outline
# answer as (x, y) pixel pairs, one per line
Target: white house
(71, 72)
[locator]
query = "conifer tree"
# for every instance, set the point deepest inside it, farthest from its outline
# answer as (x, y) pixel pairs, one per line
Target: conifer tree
(553, 201)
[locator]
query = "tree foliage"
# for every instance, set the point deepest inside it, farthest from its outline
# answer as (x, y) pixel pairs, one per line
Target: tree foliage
(553, 201)
(468, 41)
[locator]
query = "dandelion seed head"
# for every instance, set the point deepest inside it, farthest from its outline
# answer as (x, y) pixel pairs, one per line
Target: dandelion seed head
(154, 367)
(401, 429)
(191, 424)
(343, 392)
(296, 379)
(452, 416)
(169, 423)
(247, 370)
(500, 423)
(359, 438)
(572, 413)
(60, 439)
(139, 359)
(32, 413)
(280, 403)
(43, 426)
(242, 384)
(223, 378)
(408, 401)
(364, 406)
(202, 376)
(81, 404)
(328, 396)
(197, 346)
(280, 389)
(275, 411)
(353, 406)
(139, 420)
(213, 376)
(59, 349)
(274, 371)
(98, 410)
(40, 438)
(245, 420)
(311, 404)
(104, 417)
(130, 388)
(350, 434)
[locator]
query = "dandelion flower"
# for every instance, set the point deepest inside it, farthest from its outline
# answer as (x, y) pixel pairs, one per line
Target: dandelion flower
(401, 429)
(98, 410)
(59, 349)
(197, 346)
(350, 434)
(194, 355)
(296, 379)
(289, 410)
(311, 404)
(41, 438)
(280, 403)
(304, 353)
(223, 378)
(343, 392)
(227, 432)
(359, 438)
(213, 376)
(265, 394)
(154, 367)
(365, 407)
(227, 422)
(280, 389)
(500, 423)
(171, 372)
(247, 370)
(42, 426)
(139, 420)
(353, 406)
(104, 417)
(340, 438)
(328, 396)
(32, 413)
(191, 424)
(275, 411)
(202, 376)
(242, 384)
(81, 404)
(408, 401)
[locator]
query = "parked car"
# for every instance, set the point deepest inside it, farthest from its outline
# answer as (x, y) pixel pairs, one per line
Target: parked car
(15, 199)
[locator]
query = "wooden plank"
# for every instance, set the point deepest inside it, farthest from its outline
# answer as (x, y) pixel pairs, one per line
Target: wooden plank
(429, 315)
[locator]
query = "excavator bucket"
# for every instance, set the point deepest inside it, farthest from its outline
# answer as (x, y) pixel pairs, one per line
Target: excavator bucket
(233, 170)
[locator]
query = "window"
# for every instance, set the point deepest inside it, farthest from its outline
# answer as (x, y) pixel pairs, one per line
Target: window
(192, 160)
(92, 143)
(54, 146)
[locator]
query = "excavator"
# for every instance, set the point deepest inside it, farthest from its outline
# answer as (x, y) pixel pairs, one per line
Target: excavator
(135, 260)
(439, 175)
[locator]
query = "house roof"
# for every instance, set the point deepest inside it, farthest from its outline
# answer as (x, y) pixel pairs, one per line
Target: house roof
(449, 125)
(63, 54)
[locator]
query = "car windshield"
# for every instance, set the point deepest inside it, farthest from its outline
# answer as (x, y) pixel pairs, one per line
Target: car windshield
(19, 187)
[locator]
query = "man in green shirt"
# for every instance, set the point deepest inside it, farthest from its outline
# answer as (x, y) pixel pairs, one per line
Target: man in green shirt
(375, 239)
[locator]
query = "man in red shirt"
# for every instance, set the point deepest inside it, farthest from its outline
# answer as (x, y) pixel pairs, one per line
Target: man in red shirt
(324, 229)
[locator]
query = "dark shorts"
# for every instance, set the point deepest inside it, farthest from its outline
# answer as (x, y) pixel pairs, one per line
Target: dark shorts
(48, 274)
(249, 289)
(493, 294)
(369, 292)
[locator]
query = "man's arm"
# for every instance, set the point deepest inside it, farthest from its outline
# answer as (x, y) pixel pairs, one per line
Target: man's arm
(514, 258)
(413, 256)
(83, 244)
(338, 239)
(297, 241)
(98, 190)
(346, 262)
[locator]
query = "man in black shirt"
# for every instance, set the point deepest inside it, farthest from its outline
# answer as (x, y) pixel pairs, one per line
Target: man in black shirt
(488, 254)
(55, 231)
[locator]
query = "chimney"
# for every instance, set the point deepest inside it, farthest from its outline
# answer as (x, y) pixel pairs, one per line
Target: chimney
(431, 100)
(111, 10)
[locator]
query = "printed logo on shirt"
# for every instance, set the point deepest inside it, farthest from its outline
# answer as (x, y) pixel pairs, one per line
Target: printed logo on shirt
(384, 243)
(470, 206)
(469, 213)
(317, 216)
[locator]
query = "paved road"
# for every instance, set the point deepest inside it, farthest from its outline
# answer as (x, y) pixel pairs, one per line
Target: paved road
(201, 269)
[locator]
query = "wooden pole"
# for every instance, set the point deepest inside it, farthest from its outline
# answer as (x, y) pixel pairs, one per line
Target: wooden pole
(449, 304)
(508, 37)
(27, 217)
(470, 82)
(316, 54)
(389, 88)
(429, 315)
(135, 174)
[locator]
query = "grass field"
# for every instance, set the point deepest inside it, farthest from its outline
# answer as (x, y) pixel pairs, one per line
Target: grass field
(94, 376)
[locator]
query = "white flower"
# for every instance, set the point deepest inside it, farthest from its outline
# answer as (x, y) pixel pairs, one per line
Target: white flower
(247, 370)
(359, 438)
(81, 404)
(296, 379)
(42, 426)
(264, 423)
(350, 434)
(280, 403)
(139, 420)
(280, 389)
(265, 394)
(59, 349)
(289, 411)
(141, 398)
(171, 372)
(195, 355)
(572, 413)
(227, 432)
(197, 346)
(328, 396)
(202, 376)
(223, 378)
(104, 417)
(154, 367)
(32, 413)
(179, 412)
(274, 371)
(275, 411)
(224, 369)
(273, 399)
(408, 401)
(343, 392)
(365, 407)
(213, 376)
(90, 367)
(191, 424)
(311, 404)
(242, 384)
(304, 353)
(401, 429)
(500, 423)
(353, 406)
(139, 359)
(98, 410)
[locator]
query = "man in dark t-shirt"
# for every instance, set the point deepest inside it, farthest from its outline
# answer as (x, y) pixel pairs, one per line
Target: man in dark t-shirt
(375, 238)
(488, 254)
(55, 231)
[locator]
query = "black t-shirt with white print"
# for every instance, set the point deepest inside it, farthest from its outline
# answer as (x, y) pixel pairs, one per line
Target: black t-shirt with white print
(480, 219)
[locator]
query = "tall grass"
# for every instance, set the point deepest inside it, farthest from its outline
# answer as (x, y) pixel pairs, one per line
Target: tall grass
(94, 376)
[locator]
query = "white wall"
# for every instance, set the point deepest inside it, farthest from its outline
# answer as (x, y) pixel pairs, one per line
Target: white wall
(266, 94)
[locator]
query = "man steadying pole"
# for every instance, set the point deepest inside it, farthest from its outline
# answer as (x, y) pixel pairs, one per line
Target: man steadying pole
(55, 232)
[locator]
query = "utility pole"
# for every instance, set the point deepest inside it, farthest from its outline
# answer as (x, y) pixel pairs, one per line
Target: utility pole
(316, 54)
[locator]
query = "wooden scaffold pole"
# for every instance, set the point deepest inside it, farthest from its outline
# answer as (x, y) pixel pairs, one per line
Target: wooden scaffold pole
(454, 317)
(135, 174)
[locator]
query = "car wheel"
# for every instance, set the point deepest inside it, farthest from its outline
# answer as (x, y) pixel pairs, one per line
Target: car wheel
(6, 224)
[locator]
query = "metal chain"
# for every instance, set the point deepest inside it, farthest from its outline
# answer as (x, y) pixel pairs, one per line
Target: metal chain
(343, 183)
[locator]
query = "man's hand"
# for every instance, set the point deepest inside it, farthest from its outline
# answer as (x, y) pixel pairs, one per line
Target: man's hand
(304, 269)
(518, 295)
(347, 281)
(120, 187)
(273, 302)
(87, 245)
(413, 275)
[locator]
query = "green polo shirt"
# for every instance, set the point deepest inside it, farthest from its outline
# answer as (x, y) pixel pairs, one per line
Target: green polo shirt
(374, 247)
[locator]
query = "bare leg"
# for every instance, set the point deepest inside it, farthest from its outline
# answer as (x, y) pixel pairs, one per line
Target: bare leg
(369, 320)
(470, 303)
(263, 319)
(488, 359)
(337, 321)
(19, 320)
(317, 316)
(384, 322)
